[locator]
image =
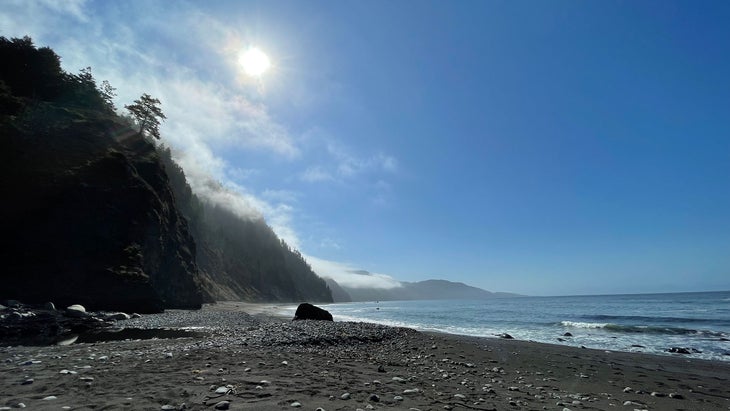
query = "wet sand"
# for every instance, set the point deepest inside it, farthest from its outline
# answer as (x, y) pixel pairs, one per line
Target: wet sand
(251, 358)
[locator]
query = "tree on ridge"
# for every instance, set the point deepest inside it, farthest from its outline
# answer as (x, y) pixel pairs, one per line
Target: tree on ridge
(148, 114)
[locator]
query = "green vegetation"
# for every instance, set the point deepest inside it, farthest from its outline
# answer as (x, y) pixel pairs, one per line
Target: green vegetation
(147, 113)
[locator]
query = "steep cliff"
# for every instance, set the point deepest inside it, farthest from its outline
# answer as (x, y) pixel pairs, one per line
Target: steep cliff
(88, 214)
(95, 213)
(241, 258)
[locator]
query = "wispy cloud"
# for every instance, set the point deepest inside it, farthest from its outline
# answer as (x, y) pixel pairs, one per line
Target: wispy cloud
(284, 196)
(316, 174)
(345, 275)
(349, 165)
(338, 164)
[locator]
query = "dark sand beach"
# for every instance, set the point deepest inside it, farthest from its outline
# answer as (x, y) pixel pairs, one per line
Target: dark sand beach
(251, 359)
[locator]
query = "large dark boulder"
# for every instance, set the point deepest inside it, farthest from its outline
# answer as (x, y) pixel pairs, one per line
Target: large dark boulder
(307, 311)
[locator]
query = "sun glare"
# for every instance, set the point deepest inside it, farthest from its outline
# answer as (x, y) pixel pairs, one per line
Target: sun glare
(254, 62)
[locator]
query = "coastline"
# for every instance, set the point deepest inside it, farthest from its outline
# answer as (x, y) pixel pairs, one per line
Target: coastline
(264, 361)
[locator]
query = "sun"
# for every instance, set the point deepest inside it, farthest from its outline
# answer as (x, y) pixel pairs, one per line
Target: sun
(254, 62)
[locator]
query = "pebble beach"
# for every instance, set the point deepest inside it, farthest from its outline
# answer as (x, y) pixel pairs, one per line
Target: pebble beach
(245, 356)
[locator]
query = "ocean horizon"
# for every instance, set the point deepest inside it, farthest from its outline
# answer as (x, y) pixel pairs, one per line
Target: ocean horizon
(698, 322)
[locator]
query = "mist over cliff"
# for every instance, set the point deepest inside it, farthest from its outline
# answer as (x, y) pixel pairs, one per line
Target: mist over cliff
(96, 211)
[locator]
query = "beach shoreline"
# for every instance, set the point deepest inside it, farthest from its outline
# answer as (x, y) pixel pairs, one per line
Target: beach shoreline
(254, 357)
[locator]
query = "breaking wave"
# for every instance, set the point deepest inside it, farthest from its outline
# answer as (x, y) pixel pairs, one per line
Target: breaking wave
(641, 329)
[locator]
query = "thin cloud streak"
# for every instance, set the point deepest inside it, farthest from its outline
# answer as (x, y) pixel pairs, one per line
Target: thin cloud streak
(344, 275)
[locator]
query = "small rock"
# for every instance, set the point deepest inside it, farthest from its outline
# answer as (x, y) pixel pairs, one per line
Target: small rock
(657, 394)
(168, 407)
(222, 390)
(567, 335)
(118, 316)
(676, 396)
(49, 306)
(346, 396)
(506, 336)
(397, 398)
(223, 405)
(87, 379)
(28, 381)
(296, 404)
(381, 368)
(411, 391)
(397, 379)
(460, 396)
(50, 398)
(628, 389)
(77, 311)
(374, 398)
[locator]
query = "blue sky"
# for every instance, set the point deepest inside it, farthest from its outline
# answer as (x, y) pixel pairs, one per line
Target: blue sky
(544, 148)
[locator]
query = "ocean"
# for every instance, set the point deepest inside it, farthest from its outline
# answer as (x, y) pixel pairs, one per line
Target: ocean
(649, 323)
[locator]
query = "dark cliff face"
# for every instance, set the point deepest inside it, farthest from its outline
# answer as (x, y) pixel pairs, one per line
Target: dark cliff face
(242, 258)
(89, 216)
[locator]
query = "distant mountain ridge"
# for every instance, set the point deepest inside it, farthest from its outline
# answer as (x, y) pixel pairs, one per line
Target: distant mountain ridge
(420, 290)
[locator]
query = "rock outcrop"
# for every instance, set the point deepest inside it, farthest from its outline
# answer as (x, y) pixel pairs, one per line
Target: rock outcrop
(88, 215)
(23, 324)
(93, 223)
